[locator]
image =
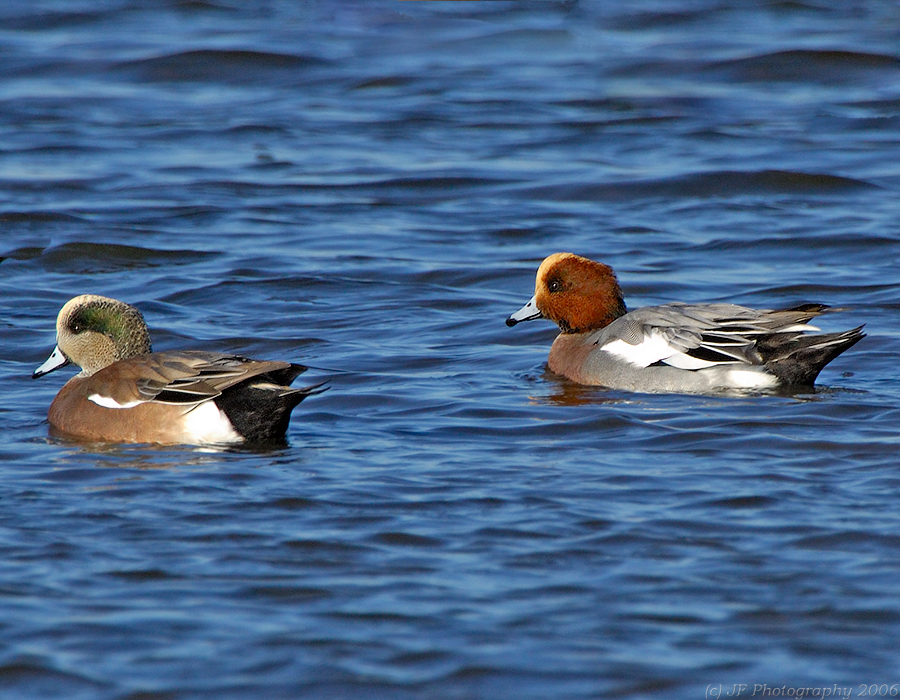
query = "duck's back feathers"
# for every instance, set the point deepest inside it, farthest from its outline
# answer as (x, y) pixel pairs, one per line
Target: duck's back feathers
(693, 336)
(184, 377)
(698, 337)
(255, 395)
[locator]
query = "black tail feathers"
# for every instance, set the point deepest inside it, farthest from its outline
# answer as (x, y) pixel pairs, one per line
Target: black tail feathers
(797, 359)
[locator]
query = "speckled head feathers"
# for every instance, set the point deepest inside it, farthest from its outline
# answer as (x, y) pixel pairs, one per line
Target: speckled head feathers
(94, 331)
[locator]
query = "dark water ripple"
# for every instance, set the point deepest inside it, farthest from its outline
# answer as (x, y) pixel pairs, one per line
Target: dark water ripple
(213, 66)
(828, 66)
(706, 185)
(367, 188)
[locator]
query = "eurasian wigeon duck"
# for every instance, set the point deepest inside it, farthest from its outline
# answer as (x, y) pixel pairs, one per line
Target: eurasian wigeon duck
(126, 393)
(683, 348)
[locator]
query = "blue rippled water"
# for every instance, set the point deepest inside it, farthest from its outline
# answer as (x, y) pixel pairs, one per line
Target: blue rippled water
(368, 188)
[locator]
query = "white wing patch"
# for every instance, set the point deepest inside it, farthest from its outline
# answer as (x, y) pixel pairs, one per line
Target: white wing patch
(652, 349)
(682, 361)
(110, 402)
(655, 348)
(798, 328)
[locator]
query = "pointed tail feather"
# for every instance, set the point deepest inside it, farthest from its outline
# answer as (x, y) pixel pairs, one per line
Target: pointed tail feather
(295, 396)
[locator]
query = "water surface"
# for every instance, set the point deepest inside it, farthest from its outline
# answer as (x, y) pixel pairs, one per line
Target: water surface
(368, 188)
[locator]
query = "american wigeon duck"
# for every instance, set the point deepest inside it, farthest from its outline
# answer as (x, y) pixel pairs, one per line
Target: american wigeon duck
(126, 393)
(675, 347)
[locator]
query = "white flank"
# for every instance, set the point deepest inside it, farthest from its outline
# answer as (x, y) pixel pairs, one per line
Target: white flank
(749, 379)
(110, 402)
(653, 349)
(206, 423)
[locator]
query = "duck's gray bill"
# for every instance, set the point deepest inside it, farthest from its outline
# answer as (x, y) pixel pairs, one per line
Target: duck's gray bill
(55, 361)
(529, 312)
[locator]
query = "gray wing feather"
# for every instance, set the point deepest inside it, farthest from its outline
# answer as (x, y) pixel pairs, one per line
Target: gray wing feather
(194, 377)
(709, 332)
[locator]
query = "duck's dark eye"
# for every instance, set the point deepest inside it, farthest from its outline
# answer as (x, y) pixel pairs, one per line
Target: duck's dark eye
(554, 285)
